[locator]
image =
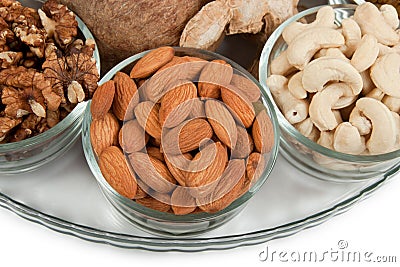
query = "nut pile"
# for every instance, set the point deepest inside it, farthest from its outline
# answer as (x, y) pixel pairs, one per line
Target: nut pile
(379, 3)
(45, 70)
(188, 140)
(339, 86)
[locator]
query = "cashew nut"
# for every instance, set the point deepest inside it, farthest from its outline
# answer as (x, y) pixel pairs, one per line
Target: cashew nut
(366, 53)
(325, 18)
(371, 21)
(362, 123)
(308, 129)
(321, 105)
(386, 75)
(384, 131)
(295, 86)
(384, 49)
(393, 103)
(376, 94)
(295, 110)
(330, 69)
(331, 52)
(396, 118)
(348, 140)
(390, 15)
(368, 84)
(301, 50)
(326, 139)
(352, 35)
(280, 65)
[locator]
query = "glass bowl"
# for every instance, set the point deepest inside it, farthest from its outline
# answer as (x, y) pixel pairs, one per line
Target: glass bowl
(163, 223)
(32, 153)
(306, 155)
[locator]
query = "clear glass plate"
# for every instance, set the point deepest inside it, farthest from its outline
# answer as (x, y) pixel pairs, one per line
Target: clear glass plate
(63, 195)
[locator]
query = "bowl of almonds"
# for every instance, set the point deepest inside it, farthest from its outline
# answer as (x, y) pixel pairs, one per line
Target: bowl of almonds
(49, 67)
(333, 75)
(179, 139)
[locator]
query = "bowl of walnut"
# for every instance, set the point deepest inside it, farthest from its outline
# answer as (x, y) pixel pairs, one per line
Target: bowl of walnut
(179, 139)
(49, 67)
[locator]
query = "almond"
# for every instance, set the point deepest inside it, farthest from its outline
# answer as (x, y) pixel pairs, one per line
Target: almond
(154, 204)
(160, 82)
(116, 172)
(244, 144)
(186, 137)
(247, 87)
(147, 115)
(175, 61)
(178, 165)
(206, 168)
(176, 104)
(182, 202)
(132, 137)
(125, 95)
(198, 109)
(152, 61)
(214, 74)
(222, 122)
(263, 133)
(104, 133)
(256, 164)
(229, 188)
(102, 99)
(140, 193)
(152, 172)
(155, 153)
(239, 104)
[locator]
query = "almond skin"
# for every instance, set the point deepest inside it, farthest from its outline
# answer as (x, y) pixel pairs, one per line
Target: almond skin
(102, 99)
(125, 95)
(154, 204)
(176, 104)
(206, 169)
(222, 122)
(214, 74)
(152, 61)
(198, 109)
(255, 167)
(263, 133)
(115, 170)
(186, 137)
(239, 104)
(182, 202)
(104, 133)
(155, 153)
(244, 144)
(152, 172)
(174, 61)
(147, 115)
(177, 165)
(133, 138)
(247, 87)
(229, 188)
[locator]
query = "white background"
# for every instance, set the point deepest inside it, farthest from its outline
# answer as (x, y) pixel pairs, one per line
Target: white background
(373, 225)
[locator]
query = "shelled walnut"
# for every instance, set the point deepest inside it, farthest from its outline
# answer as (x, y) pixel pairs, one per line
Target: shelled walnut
(45, 70)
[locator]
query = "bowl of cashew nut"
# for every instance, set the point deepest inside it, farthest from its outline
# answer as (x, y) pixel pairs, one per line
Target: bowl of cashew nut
(333, 74)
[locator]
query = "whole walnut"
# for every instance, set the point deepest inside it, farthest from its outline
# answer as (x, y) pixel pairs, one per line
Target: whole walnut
(123, 28)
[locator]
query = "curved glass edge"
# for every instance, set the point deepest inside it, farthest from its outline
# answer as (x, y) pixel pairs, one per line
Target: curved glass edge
(289, 128)
(67, 121)
(187, 244)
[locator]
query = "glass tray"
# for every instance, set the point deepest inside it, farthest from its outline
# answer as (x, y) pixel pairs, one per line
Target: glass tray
(63, 195)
